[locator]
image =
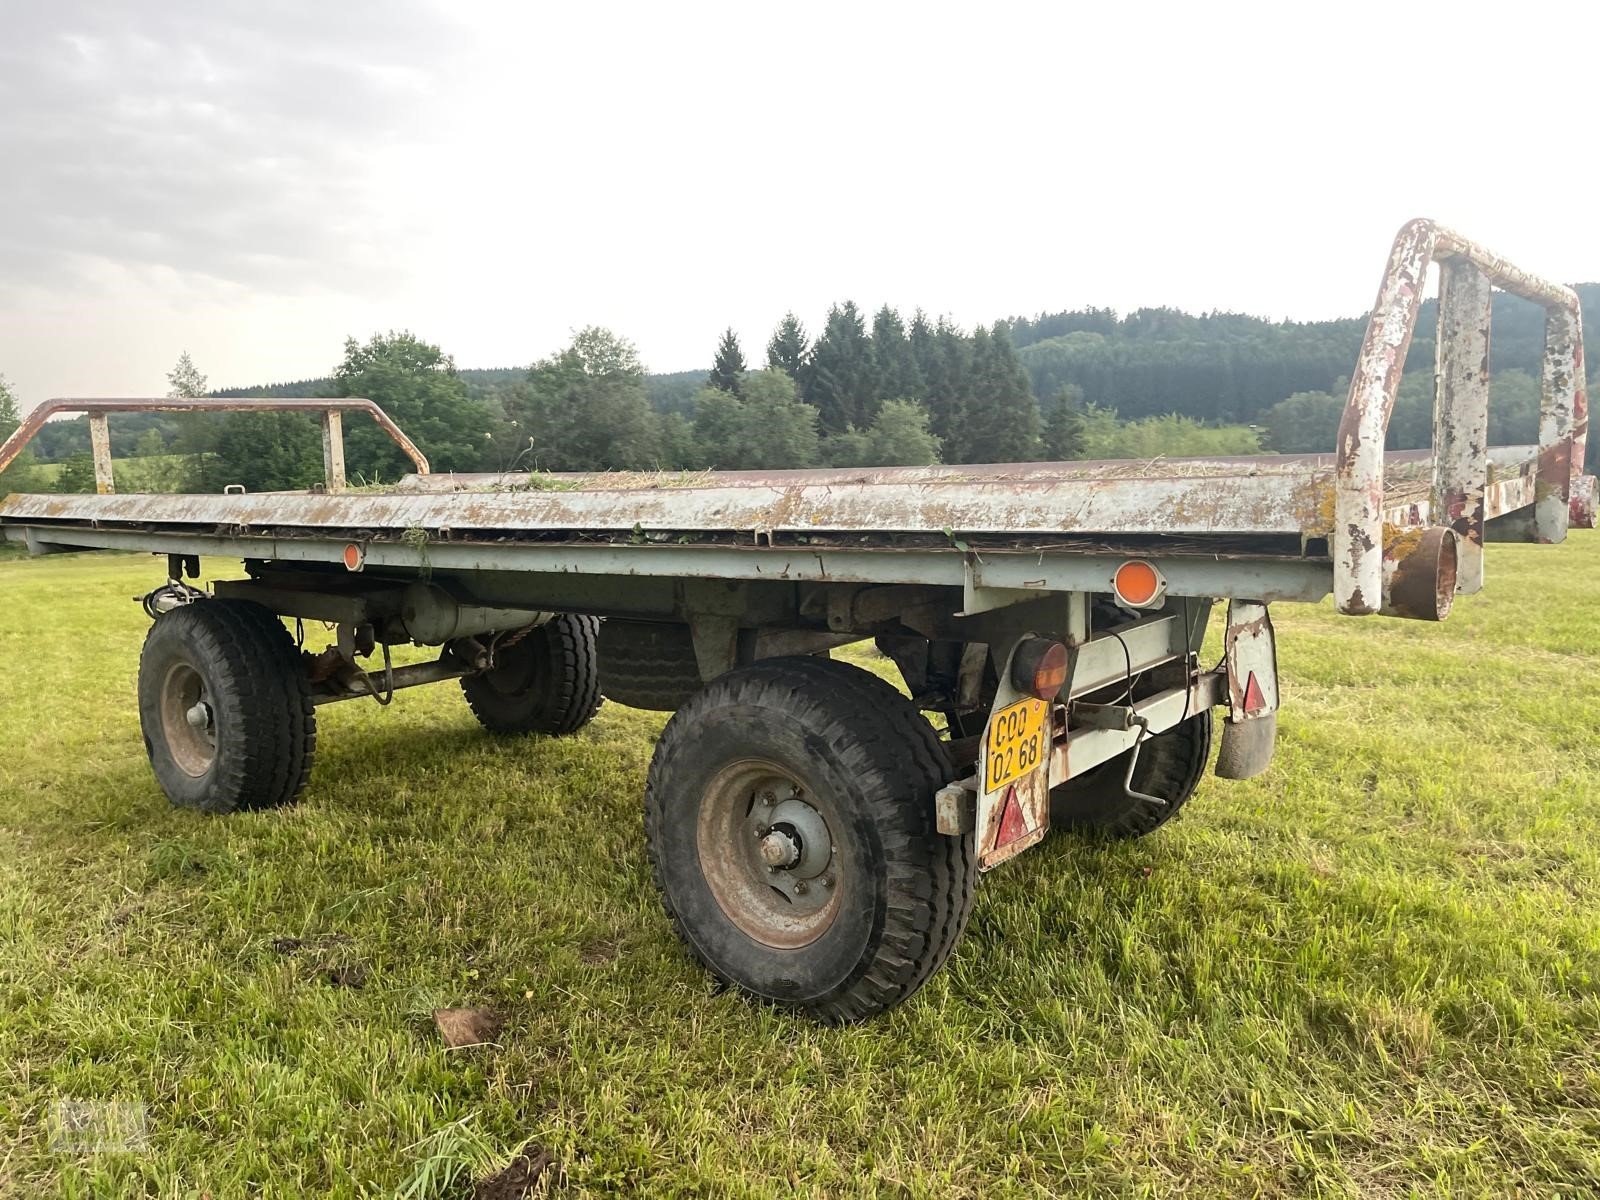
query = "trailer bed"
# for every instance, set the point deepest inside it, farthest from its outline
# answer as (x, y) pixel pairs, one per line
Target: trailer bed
(1257, 526)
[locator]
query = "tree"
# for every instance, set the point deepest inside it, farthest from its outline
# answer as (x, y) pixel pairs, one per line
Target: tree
(1063, 427)
(944, 360)
(900, 436)
(10, 417)
(586, 409)
(727, 371)
(1002, 422)
(1514, 399)
(76, 475)
(896, 362)
(264, 452)
(788, 349)
(769, 427)
(676, 446)
(19, 475)
(416, 383)
(1304, 423)
(149, 444)
(843, 379)
(185, 379)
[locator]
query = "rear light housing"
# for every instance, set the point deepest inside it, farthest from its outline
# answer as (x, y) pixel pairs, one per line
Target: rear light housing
(1039, 668)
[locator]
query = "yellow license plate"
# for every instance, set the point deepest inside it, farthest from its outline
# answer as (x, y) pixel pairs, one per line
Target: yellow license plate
(1013, 743)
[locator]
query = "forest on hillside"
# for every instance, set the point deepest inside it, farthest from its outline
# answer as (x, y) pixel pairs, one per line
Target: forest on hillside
(878, 390)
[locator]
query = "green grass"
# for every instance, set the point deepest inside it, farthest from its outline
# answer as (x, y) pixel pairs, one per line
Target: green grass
(1373, 971)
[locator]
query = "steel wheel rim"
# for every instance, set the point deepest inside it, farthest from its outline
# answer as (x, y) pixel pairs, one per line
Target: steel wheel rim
(518, 670)
(188, 720)
(768, 851)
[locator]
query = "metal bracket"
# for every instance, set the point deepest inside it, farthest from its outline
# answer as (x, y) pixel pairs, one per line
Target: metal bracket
(716, 644)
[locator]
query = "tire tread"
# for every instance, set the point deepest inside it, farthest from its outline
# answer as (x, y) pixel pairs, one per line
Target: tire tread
(930, 877)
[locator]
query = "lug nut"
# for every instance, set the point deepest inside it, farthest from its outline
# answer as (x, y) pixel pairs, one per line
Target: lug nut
(827, 881)
(799, 887)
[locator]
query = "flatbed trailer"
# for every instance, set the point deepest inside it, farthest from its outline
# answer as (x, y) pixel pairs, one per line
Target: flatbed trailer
(816, 838)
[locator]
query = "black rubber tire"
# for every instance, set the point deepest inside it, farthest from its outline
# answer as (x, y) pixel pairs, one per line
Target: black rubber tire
(646, 664)
(906, 890)
(263, 722)
(1170, 766)
(546, 682)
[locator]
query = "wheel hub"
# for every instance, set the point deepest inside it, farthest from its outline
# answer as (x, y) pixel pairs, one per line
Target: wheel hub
(802, 847)
(188, 722)
(768, 854)
(779, 849)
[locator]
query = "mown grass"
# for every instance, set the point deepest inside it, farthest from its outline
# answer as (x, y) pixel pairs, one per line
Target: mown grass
(1374, 971)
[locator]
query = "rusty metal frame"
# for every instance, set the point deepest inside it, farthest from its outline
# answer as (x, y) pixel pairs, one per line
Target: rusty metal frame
(98, 409)
(1468, 272)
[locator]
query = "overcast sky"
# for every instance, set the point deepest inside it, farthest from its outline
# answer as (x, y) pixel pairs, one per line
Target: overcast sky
(253, 182)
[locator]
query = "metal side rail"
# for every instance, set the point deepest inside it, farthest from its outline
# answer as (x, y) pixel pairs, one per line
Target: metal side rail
(98, 409)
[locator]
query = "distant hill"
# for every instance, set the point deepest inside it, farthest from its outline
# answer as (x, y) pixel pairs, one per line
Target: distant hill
(1214, 367)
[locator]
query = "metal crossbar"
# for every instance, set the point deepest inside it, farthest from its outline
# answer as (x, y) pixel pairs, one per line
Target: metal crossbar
(99, 409)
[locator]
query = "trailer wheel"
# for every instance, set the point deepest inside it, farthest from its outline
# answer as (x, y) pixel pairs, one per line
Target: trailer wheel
(790, 821)
(225, 707)
(1170, 766)
(646, 664)
(547, 681)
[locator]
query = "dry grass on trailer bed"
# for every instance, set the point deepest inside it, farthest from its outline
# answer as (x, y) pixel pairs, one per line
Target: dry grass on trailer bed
(1374, 971)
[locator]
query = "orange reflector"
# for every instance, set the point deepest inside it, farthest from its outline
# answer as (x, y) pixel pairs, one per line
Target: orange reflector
(353, 557)
(1039, 668)
(1138, 584)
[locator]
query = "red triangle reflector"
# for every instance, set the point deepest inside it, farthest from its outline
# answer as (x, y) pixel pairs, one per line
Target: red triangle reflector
(1253, 699)
(1013, 822)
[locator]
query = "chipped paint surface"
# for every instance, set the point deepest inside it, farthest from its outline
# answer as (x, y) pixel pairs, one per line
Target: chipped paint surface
(1461, 417)
(1251, 652)
(1280, 501)
(1460, 423)
(1420, 568)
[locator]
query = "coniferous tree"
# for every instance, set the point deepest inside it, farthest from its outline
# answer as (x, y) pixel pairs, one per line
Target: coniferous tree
(843, 378)
(897, 371)
(727, 371)
(1064, 427)
(789, 347)
(944, 362)
(1002, 421)
(185, 379)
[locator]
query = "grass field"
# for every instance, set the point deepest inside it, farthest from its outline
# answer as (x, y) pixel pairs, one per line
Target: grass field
(1373, 971)
(151, 473)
